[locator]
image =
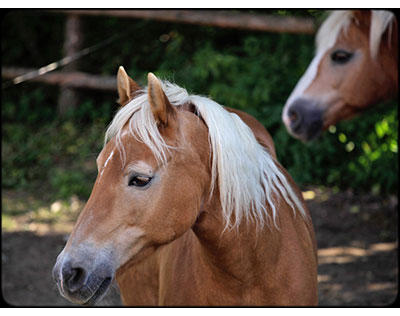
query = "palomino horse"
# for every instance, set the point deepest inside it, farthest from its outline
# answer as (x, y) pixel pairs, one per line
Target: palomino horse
(355, 66)
(190, 207)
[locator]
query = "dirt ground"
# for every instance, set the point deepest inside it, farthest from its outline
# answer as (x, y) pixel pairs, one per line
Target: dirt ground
(357, 242)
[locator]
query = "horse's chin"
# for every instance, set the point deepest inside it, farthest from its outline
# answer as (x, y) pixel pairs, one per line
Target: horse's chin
(86, 297)
(307, 137)
(311, 137)
(99, 293)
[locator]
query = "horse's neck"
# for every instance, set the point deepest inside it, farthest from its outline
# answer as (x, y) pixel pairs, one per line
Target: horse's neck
(395, 63)
(390, 60)
(268, 266)
(386, 76)
(242, 253)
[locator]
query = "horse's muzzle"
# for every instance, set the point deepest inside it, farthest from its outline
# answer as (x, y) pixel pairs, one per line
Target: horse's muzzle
(304, 119)
(82, 281)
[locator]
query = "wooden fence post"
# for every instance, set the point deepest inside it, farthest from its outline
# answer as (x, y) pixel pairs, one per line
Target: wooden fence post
(69, 98)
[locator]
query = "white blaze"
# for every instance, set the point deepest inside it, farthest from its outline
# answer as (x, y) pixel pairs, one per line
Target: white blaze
(105, 164)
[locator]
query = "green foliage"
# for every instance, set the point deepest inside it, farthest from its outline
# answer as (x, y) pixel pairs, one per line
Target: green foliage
(58, 156)
(251, 71)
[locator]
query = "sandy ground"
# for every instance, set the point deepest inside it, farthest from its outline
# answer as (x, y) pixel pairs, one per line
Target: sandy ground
(357, 242)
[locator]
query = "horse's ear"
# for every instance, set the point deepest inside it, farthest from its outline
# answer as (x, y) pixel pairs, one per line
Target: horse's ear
(126, 86)
(159, 103)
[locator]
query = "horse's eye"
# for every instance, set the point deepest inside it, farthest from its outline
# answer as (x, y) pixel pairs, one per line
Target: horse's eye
(139, 181)
(341, 56)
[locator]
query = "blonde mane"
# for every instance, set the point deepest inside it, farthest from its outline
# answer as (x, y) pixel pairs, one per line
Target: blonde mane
(247, 175)
(341, 19)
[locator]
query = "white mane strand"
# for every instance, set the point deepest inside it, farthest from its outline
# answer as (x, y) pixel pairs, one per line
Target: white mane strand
(248, 177)
(380, 21)
(330, 29)
(340, 20)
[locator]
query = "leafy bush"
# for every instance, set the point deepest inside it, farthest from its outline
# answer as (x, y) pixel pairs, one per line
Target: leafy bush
(251, 71)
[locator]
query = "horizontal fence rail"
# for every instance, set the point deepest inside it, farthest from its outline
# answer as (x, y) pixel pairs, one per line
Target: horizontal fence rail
(72, 79)
(224, 19)
(216, 18)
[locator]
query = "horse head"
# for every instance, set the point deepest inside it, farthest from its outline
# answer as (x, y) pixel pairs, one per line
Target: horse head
(133, 207)
(355, 66)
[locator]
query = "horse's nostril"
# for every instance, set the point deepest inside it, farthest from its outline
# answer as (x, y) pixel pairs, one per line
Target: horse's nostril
(294, 117)
(74, 278)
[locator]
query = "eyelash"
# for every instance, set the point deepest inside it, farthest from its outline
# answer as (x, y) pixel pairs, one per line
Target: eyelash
(139, 181)
(341, 56)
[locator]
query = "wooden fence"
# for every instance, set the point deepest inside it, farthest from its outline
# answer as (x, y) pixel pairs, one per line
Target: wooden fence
(70, 78)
